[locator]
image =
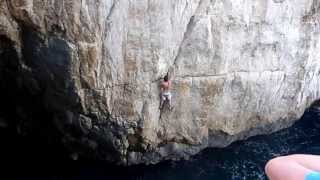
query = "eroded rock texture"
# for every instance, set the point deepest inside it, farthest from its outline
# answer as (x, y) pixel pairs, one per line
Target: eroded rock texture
(239, 68)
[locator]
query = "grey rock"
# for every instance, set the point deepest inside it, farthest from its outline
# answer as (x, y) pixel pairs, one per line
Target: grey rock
(74, 156)
(85, 123)
(134, 156)
(3, 123)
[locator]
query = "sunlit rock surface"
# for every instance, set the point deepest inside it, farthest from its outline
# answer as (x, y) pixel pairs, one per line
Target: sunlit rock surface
(239, 68)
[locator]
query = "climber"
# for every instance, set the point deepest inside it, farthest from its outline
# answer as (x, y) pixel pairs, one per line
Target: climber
(165, 87)
(294, 167)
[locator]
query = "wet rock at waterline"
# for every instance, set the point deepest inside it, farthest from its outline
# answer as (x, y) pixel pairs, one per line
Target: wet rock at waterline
(92, 68)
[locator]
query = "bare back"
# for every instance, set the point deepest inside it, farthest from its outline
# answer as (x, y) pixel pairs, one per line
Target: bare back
(165, 86)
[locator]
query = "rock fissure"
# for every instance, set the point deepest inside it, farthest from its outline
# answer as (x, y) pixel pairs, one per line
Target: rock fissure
(229, 73)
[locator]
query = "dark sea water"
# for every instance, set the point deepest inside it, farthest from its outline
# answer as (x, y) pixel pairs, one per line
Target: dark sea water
(241, 160)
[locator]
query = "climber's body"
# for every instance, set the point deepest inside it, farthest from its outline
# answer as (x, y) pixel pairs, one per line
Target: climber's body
(165, 92)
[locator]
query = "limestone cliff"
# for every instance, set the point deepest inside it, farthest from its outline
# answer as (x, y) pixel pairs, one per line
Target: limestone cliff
(239, 68)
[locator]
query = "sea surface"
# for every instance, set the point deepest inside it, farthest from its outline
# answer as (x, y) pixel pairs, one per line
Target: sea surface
(240, 161)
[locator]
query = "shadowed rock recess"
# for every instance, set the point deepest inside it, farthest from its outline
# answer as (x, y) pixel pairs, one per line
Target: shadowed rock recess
(89, 70)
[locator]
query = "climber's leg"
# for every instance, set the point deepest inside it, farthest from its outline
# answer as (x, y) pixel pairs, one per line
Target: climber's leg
(162, 100)
(169, 101)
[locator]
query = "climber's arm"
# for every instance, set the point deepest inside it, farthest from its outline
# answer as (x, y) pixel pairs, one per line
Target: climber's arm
(171, 73)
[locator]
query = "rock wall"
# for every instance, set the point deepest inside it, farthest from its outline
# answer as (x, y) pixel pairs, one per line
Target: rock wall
(239, 68)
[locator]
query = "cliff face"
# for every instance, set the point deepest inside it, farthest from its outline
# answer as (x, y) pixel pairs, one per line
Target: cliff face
(239, 68)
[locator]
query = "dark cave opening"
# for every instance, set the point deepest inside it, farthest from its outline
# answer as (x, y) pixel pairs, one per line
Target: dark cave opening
(8, 70)
(35, 95)
(25, 123)
(29, 136)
